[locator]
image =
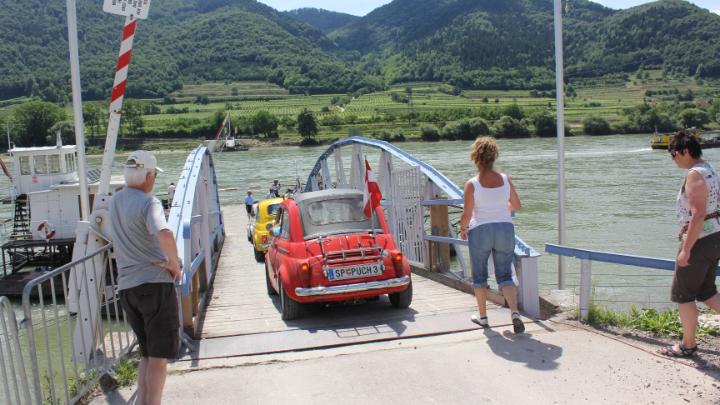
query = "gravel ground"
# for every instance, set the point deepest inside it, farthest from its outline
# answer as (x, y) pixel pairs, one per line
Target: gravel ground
(706, 359)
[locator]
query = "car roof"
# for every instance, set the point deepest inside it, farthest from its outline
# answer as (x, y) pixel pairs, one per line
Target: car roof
(270, 201)
(330, 194)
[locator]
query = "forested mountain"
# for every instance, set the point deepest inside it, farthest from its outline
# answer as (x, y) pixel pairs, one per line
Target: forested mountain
(324, 20)
(182, 41)
(469, 43)
(509, 43)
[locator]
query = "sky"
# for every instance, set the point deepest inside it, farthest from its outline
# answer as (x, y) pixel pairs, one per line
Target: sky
(362, 7)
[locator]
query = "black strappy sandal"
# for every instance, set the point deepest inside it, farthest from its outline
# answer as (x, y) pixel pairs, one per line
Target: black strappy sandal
(684, 351)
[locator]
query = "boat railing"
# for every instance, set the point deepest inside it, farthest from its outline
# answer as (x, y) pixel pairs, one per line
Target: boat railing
(42, 360)
(197, 222)
(587, 257)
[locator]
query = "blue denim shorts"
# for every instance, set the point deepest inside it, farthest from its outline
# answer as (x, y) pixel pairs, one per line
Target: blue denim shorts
(497, 239)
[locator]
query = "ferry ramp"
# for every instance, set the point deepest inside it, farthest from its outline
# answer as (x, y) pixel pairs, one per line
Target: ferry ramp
(242, 319)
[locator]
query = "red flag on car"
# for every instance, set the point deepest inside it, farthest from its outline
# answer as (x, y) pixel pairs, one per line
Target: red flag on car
(372, 196)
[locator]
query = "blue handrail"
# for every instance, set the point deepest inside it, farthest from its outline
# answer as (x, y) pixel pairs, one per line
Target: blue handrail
(616, 258)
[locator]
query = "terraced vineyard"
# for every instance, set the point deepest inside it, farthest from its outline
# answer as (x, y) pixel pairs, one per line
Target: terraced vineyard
(386, 112)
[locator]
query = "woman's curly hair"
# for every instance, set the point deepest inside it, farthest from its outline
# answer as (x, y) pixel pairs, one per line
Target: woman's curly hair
(484, 152)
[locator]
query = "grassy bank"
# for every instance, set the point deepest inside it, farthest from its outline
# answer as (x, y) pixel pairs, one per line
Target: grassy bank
(663, 323)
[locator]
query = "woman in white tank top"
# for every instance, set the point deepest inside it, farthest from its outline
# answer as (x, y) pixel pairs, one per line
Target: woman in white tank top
(486, 223)
(698, 209)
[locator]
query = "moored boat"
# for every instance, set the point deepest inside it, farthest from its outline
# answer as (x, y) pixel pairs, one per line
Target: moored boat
(45, 196)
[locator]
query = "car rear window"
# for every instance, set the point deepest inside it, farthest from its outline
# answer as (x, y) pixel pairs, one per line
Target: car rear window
(337, 211)
(272, 209)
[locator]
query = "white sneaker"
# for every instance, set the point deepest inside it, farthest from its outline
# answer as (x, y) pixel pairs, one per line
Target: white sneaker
(480, 320)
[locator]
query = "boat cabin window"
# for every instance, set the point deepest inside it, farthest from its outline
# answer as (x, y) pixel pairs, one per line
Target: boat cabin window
(41, 166)
(54, 163)
(25, 165)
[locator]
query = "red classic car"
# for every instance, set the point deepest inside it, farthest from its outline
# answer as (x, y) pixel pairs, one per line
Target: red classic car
(325, 249)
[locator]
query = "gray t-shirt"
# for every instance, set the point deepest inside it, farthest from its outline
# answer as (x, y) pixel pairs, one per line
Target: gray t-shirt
(135, 219)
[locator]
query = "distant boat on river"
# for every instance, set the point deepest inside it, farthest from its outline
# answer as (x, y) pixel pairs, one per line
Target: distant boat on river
(659, 141)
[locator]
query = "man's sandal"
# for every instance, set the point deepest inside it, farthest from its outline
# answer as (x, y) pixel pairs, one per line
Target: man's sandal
(684, 351)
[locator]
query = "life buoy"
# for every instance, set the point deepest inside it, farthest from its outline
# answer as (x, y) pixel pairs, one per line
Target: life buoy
(47, 229)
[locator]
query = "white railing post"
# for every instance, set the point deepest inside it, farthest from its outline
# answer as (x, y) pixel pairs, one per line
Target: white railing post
(357, 168)
(339, 170)
(325, 170)
(207, 243)
(528, 292)
(585, 288)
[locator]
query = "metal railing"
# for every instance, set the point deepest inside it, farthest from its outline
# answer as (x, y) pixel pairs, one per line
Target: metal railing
(407, 196)
(14, 377)
(525, 265)
(50, 361)
(197, 222)
(586, 258)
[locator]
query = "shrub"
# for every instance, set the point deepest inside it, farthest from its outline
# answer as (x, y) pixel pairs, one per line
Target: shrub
(693, 117)
(596, 126)
(429, 133)
(508, 127)
(465, 129)
(545, 125)
(397, 137)
(513, 111)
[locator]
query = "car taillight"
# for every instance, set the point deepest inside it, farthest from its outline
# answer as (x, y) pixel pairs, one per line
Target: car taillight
(397, 259)
(304, 274)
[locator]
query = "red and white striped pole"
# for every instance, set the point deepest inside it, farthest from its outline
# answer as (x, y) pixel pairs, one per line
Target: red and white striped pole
(116, 101)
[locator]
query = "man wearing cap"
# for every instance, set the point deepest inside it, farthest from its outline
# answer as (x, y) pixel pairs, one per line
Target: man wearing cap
(148, 265)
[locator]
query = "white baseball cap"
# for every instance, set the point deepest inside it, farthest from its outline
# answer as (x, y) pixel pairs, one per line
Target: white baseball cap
(143, 158)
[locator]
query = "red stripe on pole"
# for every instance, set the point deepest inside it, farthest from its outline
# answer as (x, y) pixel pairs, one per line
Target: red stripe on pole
(129, 30)
(123, 60)
(118, 91)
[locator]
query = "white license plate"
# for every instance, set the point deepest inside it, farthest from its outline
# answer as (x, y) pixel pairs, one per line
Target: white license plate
(363, 270)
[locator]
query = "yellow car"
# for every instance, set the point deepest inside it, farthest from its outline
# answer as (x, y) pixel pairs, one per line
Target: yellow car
(263, 213)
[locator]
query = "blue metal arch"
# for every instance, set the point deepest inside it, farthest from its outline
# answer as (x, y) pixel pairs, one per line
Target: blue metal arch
(451, 189)
(445, 184)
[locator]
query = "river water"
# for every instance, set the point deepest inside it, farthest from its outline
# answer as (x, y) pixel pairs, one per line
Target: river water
(620, 197)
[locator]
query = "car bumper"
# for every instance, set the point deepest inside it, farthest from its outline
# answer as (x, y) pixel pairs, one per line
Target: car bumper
(353, 288)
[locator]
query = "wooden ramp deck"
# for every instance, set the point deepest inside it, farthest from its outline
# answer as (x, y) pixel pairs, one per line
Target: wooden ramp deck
(241, 319)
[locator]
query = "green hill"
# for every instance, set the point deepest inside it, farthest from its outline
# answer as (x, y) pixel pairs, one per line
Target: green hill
(324, 20)
(182, 41)
(509, 44)
(504, 44)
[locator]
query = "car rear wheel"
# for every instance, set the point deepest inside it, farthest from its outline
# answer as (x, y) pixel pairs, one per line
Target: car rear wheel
(270, 289)
(402, 299)
(259, 256)
(250, 237)
(290, 309)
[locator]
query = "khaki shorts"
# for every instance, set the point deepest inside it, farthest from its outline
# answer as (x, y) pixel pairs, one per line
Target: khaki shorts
(696, 281)
(152, 312)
